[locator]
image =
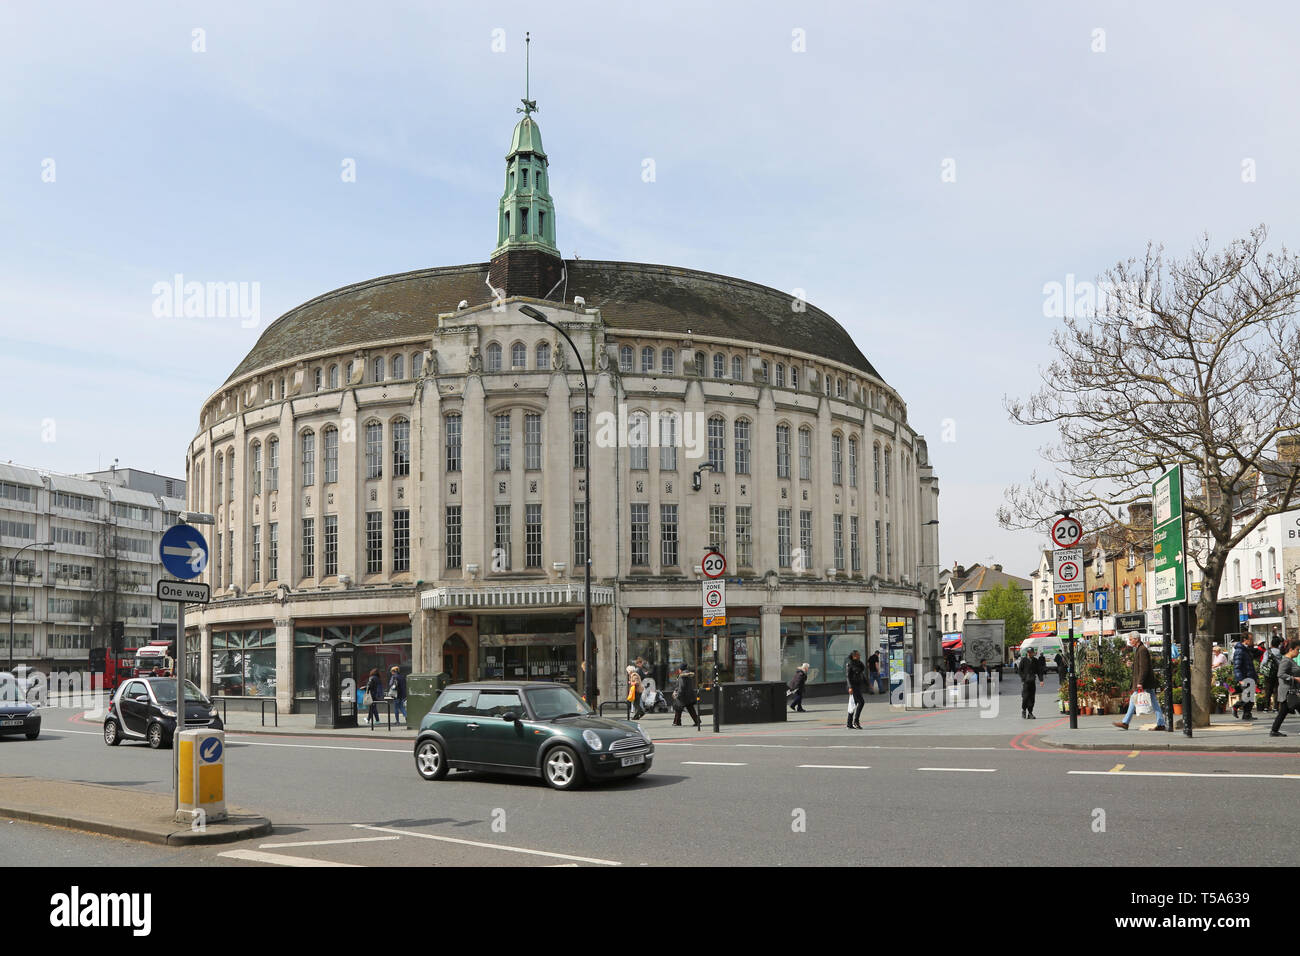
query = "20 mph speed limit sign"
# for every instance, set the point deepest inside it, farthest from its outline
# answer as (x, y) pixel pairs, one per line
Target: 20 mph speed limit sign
(1066, 532)
(714, 565)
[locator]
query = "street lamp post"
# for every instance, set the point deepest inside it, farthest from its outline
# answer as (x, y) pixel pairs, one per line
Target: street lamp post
(13, 574)
(589, 638)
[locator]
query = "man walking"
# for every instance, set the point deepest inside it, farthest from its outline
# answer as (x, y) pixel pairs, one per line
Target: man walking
(397, 690)
(796, 689)
(1268, 674)
(1243, 668)
(1032, 668)
(856, 672)
(1144, 678)
(1288, 674)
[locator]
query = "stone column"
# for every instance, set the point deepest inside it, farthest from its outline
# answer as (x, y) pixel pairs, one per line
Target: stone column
(770, 641)
(284, 688)
(205, 658)
(475, 497)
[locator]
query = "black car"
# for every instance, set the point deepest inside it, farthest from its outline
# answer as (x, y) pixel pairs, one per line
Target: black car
(144, 708)
(532, 728)
(19, 717)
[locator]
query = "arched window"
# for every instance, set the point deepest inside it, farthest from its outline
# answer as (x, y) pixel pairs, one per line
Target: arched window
(875, 467)
(719, 365)
(518, 356)
(625, 358)
(669, 364)
(783, 451)
(888, 482)
(273, 464)
(417, 364)
(334, 376)
(805, 454)
(780, 375)
(307, 459)
(741, 428)
(374, 450)
(700, 361)
(638, 440)
(837, 459)
(401, 447)
(255, 460)
(331, 439)
(219, 472)
(493, 357)
(794, 377)
(453, 436)
(317, 379)
(718, 444)
(668, 441)
(647, 359)
(543, 355)
(737, 368)
(839, 388)
(398, 367)
(378, 366)
(349, 372)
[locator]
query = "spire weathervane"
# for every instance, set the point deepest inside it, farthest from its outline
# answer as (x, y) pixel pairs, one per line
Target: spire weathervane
(529, 105)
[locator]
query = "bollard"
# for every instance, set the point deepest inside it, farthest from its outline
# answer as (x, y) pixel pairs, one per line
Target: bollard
(201, 785)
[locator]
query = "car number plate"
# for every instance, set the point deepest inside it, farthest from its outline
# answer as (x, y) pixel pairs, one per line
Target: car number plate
(633, 761)
(19, 723)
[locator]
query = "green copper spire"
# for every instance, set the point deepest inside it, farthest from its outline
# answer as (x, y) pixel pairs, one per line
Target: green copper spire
(526, 214)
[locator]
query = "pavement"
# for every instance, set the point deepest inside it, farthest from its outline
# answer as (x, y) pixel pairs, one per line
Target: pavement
(1225, 734)
(114, 811)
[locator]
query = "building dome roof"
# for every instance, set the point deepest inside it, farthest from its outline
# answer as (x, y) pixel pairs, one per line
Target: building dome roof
(632, 296)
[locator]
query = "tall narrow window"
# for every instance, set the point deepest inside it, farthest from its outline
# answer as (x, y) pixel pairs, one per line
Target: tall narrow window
(737, 368)
(794, 377)
(532, 536)
(378, 369)
(742, 446)
(837, 453)
(783, 537)
(502, 442)
(805, 538)
(855, 551)
(493, 363)
(875, 467)
(853, 462)
(334, 376)
(668, 536)
(543, 356)
(579, 535)
(331, 545)
(308, 547)
(887, 472)
(317, 380)
(308, 459)
(638, 441)
(453, 442)
(780, 375)
(640, 527)
(257, 469)
(889, 549)
(880, 564)
(452, 529)
(837, 540)
(783, 451)
(374, 542)
(647, 359)
(230, 463)
(744, 542)
(401, 448)
(374, 450)
(273, 552)
(805, 454)
(256, 555)
(718, 444)
(668, 365)
(397, 367)
(532, 441)
(668, 441)
(700, 363)
(417, 364)
(518, 356)
(719, 365)
(501, 541)
(625, 358)
(580, 438)
(401, 541)
(331, 455)
(718, 527)
(273, 465)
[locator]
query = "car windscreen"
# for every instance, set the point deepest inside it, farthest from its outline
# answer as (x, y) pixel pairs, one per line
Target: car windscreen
(165, 692)
(551, 702)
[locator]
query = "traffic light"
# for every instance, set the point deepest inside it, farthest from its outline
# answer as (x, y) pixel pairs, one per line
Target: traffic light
(117, 636)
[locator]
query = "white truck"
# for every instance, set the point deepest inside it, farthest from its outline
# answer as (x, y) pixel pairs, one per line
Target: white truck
(984, 641)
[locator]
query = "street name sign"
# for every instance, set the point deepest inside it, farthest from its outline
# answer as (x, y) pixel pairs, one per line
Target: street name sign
(1168, 537)
(185, 592)
(1067, 575)
(183, 551)
(714, 603)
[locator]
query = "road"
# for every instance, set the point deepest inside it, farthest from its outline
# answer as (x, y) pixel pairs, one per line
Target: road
(936, 788)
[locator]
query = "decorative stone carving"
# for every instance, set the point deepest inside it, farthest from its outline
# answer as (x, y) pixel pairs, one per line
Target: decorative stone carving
(559, 359)
(475, 360)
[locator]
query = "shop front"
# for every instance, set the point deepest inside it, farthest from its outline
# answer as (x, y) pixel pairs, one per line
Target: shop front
(528, 647)
(381, 645)
(669, 639)
(1261, 616)
(822, 638)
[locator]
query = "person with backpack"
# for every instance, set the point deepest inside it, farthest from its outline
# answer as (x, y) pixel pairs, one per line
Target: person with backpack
(1268, 674)
(1243, 668)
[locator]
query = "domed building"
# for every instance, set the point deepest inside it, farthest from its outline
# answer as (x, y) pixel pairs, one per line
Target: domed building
(400, 463)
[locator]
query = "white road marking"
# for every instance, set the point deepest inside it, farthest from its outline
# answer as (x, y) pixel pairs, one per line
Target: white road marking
(713, 763)
(377, 750)
(1181, 773)
(278, 858)
(489, 846)
(831, 766)
(280, 846)
(960, 769)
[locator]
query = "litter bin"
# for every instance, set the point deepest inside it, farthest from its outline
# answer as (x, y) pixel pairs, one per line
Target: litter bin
(752, 702)
(421, 691)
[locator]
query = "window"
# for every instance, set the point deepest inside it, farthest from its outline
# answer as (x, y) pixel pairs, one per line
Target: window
(502, 442)
(737, 368)
(744, 543)
(719, 365)
(417, 364)
(875, 467)
(273, 553)
(742, 446)
(638, 441)
(453, 442)
(668, 441)
(378, 367)
(308, 547)
(647, 359)
(374, 450)
(794, 377)
(889, 550)
(334, 376)
(855, 552)
(532, 441)
(783, 451)
(879, 563)
(518, 356)
(401, 448)
(717, 444)
(718, 527)
(839, 388)
(397, 367)
(1127, 606)
(1140, 605)
(331, 455)
(543, 356)
(625, 358)
(780, 375)
(1272, 568)
(374, 542)
(501, 542)
(256, 457)
(331, 545)
(532, 536)
(349, 371)
(401, 541)
(783, 537)
(766, 370)
(640, 535)
(493, 357)
(273, 465)
(805, 538)
(1236, 575)
(230, 462)
(16, 492)
(308, 460)
(668, 536)
(256, 555)
(579, 535)
(668, 365)
(887, 472)
(837, 455)
(317, 380)
(700, 362)
(580, 438)
(853, 462)
(452, 529)
(837, 538)
(805, 454)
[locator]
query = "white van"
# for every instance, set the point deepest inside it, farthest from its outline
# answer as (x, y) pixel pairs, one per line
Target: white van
(1047, 646)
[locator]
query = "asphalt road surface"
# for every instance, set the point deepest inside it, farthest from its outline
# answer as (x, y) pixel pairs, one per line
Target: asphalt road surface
(927, 789)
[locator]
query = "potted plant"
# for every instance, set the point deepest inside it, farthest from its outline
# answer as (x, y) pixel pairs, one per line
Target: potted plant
(1178, 700)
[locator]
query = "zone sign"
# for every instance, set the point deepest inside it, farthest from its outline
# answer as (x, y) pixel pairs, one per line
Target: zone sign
(714, 565)
(1066, 532)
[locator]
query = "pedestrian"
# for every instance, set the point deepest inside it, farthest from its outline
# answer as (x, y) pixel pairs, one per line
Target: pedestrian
(397, 693)
(1288, 675)
(1032, 668)
(375, 688)
(856, 673)
(796, 688)
(1062, 668)
(1268, 674)
(1144, 679)
(634, 693)
(1220, 659)
(873, 671)
(684, 695)
(877, 673)
(1243, 668)
(642, 669)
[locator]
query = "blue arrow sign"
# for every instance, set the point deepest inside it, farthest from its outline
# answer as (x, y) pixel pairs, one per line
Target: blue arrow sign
(1101, 600)
(183, 551)
(210, 751)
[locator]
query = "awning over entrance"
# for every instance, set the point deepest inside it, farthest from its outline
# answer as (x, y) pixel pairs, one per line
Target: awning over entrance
(545, 595)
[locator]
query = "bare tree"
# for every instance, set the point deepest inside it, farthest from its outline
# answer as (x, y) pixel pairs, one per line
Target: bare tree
(1191, 361)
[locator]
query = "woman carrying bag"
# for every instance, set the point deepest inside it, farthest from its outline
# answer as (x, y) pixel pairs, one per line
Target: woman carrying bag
(634, 693)
(374, 692)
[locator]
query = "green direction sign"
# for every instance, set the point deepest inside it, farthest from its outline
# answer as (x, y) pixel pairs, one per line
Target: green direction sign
(1170, 556)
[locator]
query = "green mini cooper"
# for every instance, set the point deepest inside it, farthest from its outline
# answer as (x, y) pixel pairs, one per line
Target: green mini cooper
(527, 727)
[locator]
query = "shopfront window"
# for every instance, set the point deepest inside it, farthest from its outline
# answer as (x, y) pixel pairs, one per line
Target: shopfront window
(529, 647)
(794, 649)
(379, 647)
(824, 642)
(668, 643)
(305, 641)
(243, 663)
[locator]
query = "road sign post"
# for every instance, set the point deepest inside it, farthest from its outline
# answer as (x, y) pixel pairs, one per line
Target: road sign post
(184, 554)
(1067, 579)
(713, 606)
(1169, 543)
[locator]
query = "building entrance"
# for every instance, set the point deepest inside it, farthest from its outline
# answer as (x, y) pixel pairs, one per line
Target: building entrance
(455, 658)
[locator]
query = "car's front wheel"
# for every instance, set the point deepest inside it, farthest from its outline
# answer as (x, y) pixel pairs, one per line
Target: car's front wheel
(112, 733)
(33, 734)
(430, 760)
(156, 736)
(562, 768)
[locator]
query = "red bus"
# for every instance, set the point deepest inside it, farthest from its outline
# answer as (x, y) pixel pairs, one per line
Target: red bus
(108, 668)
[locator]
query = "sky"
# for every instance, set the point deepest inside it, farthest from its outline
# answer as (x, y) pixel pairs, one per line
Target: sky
(924, 172)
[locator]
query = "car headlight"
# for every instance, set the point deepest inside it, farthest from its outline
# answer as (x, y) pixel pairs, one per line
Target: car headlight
(166, 713)
(644, 733)
(593, 739)
(212, 712)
